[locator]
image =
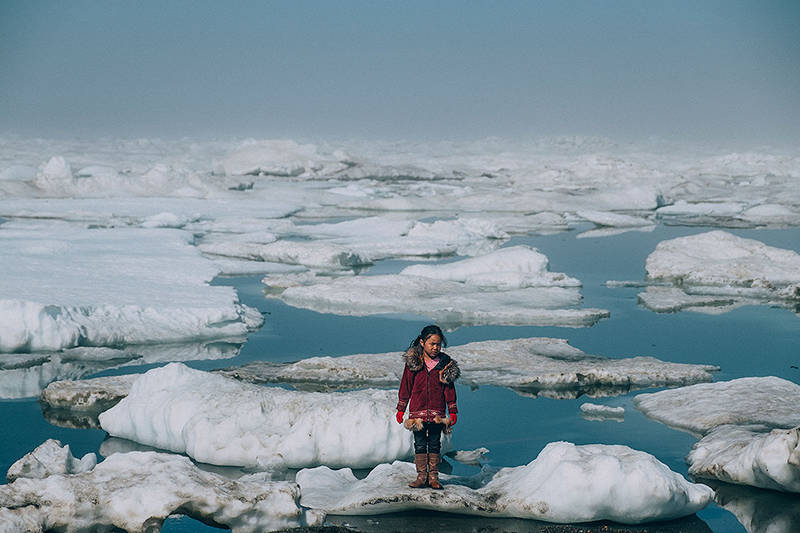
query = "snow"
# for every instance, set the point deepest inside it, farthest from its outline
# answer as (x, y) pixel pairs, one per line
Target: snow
(508, 268)
(105, 287)
(565, 483)
(749, 456)
(699, 408)
(220, 421)
(615, 220)
(536, 365)
(719, 258)
(510, 286)
(137, 491)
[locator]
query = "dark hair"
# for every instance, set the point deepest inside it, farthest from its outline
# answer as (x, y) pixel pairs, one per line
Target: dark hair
(426, 332)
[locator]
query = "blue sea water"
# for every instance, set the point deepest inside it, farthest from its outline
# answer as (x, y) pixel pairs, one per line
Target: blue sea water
(749, 341)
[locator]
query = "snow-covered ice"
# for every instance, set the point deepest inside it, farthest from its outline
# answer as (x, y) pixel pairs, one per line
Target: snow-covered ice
(717, 271)
(536, 365)
(25, 375)
(749, 429)
(510, 286)
(759, 511)
(221, 421)
(108, 287)
(137, 491)
(749, 455)
(565, 483)
(719, 258)
(769, 401)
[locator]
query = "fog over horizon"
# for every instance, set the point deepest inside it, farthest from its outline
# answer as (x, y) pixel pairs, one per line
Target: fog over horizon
(710, 71)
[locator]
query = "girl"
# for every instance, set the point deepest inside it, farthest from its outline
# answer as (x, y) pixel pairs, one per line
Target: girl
(427, 382)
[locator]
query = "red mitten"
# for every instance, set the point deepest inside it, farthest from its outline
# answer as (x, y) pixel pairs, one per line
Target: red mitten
(399, 417)
(453, 418)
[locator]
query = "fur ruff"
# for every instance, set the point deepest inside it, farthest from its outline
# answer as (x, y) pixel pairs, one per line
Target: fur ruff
(413, 358)
(415, 424)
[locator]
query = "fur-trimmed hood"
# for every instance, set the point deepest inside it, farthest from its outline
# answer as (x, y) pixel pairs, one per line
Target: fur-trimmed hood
(447, 366)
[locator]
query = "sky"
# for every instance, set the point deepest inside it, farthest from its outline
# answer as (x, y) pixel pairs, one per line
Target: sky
(442, 70)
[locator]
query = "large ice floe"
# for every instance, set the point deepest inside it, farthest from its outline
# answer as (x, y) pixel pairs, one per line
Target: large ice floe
(136, 492)
(509, 286)
(565, 483)
(749, 429)
(65, 287)
(221, 421)
(537, 365)
(716, 271)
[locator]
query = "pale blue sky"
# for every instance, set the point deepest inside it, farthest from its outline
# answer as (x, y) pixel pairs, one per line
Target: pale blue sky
(415, 70)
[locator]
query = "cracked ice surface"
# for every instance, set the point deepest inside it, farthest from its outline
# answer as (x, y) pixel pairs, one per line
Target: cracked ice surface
(565, 483)
(510, 286)
(749, 456)
(221, 421)
(137, 491)
(769, 401)
(533, 365)
(106, 287)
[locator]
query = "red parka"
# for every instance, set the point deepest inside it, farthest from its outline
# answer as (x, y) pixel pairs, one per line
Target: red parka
(428, 393)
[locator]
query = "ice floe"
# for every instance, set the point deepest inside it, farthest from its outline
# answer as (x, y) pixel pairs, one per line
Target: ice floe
(749, 429)
(749, 455)
(24, 375)
(769, 401)
(538, 365)
(50, 457)
(221, 421)
(108, 287)
(717, 271)
(137, 491)
(510, 286)
(565, 483)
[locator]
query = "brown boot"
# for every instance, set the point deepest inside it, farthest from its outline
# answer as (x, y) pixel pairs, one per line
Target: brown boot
(421, 462)
(433, 471)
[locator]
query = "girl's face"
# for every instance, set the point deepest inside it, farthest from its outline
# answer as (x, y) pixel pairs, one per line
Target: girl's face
(431, 346)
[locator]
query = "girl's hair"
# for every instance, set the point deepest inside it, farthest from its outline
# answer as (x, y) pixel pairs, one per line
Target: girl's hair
(426, 332)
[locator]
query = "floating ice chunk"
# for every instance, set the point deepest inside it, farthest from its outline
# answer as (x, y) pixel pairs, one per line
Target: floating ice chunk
(611, 232)
(615, 220)
(683, 208)
(449, 303)
(592, 411)
(721, 258)
(749, 456)
(137, 491)
(768, 401)
(565, 483)
(509, 268)
(50, 458)
(221, 421)
(532, 365)
(95, 395)
(469, 457)
(107, 287)
(672, 299)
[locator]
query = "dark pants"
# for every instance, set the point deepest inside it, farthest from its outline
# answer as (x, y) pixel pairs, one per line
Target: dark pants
(429, 438)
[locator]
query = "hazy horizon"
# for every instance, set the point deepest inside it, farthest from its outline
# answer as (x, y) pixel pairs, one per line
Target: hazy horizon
(444, 70)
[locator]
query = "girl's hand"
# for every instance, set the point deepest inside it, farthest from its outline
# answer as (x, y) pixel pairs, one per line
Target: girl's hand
(453, 418)
(399, 417)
